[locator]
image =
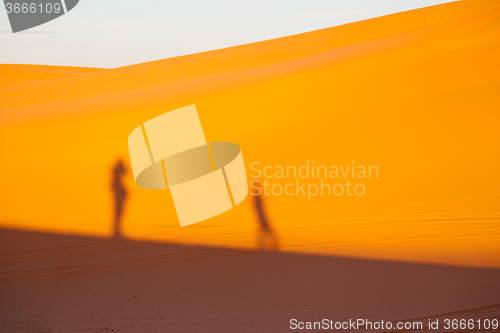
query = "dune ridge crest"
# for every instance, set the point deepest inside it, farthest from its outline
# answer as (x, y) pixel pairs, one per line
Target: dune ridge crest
(175, 81)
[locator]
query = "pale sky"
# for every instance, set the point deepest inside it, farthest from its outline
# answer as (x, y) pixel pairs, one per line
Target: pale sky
(113, 33)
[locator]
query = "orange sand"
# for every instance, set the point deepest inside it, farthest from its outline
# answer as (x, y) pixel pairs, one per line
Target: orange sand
(414, 93)
(16, 74)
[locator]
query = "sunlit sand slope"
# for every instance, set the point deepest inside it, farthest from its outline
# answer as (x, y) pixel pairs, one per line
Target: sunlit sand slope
(415, 94)
(183, 79)
(11, 74)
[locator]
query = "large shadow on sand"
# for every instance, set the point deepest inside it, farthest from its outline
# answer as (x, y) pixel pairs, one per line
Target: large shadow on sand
(69, 283)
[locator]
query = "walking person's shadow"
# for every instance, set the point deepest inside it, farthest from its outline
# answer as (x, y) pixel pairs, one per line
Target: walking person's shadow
(120, 195)
(267, 238)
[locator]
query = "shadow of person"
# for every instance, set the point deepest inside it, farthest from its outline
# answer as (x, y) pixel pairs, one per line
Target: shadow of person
(267, 238)
(120, 195)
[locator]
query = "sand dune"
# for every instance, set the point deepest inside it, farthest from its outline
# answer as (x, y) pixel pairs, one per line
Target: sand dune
(414, 94)
(421, 107)
(183, 79)
(17, 74)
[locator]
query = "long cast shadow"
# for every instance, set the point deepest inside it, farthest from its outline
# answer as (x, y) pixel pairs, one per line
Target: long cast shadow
(59, 282)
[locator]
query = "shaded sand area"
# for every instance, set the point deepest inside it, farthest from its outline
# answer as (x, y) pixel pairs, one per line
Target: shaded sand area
(414, 94)
(214, 278)
(62, 283)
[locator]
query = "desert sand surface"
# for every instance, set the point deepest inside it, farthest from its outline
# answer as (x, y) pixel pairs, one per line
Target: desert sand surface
(16, 74)
(415, 94)
(63, 283)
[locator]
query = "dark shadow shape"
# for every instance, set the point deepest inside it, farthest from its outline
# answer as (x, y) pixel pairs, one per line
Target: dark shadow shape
(120, 196)
(49, 281)
(267, 237)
